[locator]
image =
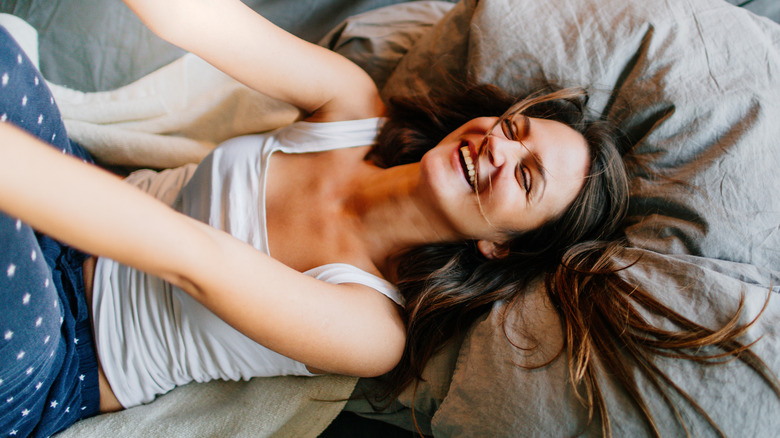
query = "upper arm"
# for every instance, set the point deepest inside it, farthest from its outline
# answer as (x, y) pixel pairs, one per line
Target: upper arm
(344, 329)
(235, 39)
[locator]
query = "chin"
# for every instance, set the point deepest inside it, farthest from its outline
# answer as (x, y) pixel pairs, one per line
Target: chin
(435, 181)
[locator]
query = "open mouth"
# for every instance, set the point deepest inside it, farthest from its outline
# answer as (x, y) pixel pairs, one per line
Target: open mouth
(468, 164)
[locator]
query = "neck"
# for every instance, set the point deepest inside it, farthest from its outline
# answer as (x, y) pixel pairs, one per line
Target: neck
(391, 214)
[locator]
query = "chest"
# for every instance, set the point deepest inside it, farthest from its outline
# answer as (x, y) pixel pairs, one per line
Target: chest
(306, 222)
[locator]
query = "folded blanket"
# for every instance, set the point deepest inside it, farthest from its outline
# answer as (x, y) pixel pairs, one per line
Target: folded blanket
(171, 117)
(266, 407)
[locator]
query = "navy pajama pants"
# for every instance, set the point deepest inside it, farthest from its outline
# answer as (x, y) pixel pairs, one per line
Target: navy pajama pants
(48, 368)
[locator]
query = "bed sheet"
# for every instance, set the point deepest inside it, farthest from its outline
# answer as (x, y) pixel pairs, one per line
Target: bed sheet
(695, 87)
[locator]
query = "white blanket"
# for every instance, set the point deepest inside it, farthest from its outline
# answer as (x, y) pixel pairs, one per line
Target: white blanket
(173, 116)
(269, 407)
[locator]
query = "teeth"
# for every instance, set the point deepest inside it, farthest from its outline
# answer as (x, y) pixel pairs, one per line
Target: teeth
(465, 152)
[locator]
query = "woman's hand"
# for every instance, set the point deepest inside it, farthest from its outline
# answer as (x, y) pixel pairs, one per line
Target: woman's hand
(238, 41)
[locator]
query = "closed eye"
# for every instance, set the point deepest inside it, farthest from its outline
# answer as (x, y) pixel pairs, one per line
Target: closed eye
(508, 128)
(524, 178)
(512, 131)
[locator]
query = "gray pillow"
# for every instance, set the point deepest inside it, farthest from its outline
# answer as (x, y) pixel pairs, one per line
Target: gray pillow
(693, 84)
(378, 39)
(695, 87)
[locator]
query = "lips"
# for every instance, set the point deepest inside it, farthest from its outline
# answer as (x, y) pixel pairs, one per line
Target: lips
(468, 164)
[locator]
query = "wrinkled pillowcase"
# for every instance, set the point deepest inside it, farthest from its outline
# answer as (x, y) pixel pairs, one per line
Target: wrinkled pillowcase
(690, 85)
(699, 103)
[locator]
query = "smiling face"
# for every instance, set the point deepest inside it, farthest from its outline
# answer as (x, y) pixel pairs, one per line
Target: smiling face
(525, 172)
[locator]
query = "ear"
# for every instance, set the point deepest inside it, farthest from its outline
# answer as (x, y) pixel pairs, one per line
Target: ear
(493, 250)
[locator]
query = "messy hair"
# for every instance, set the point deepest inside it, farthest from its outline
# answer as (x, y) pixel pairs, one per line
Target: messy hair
(447, 286)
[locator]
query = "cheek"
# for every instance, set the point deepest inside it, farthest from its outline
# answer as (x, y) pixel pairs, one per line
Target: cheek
(574, 190)
(431, 165)
(508, 214)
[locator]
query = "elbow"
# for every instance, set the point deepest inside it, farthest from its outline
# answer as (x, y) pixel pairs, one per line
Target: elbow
(384, 357)
(379, 370)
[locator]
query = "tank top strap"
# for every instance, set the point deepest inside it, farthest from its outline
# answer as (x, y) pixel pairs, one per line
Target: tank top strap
(306, 137)
(338, 273)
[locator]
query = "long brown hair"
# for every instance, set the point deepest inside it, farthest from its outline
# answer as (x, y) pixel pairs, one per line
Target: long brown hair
(603, 326)
(448, 286)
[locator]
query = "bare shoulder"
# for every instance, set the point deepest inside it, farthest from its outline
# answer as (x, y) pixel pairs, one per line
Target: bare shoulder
(359, 101)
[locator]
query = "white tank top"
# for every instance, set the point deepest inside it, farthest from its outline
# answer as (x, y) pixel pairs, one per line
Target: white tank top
(152, 336)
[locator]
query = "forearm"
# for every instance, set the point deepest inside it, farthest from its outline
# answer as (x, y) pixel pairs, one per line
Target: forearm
(95, 211)
(80, 204)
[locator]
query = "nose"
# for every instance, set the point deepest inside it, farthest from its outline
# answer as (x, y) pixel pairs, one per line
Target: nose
(496, 152)
(499, 150)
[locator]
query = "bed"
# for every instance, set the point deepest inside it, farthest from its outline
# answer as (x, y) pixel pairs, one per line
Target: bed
(694, 85)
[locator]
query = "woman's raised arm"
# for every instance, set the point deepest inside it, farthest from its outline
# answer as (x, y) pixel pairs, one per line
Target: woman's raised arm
(238, 41)
(347, 329)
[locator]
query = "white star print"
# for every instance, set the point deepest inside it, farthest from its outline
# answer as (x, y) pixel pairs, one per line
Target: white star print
(13, 432)
(46, 340)
(67, 410)
(19, 59)
(5, 79)
(4, 117)
(34, 255)
(38, 321)
(76, 341)
(40, 119)
(46, 284)
(20, 355)
(11, 270)
(81, 377)
(18, 221)
(9, 399)
(37, 81)
(26, 299)
(29, 371)
(38, 385)
(25, 412)
(83, 408)
(54, 404)
(8, 335)
(24, 100)
(1, 381)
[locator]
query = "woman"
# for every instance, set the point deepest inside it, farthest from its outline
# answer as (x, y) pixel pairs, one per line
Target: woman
(485, 194)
